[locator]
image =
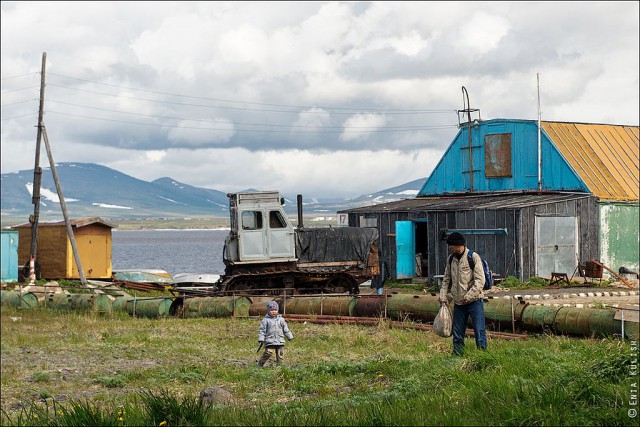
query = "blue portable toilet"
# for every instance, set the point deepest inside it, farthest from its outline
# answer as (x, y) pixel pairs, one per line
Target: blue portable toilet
(9, 261)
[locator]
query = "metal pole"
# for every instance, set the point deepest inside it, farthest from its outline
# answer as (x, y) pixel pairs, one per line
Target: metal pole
(465, 93)
(539, 140)
(37, 170)
(63, 205)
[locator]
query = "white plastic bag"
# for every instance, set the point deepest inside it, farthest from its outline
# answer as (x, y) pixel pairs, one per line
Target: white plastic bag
(443, 323)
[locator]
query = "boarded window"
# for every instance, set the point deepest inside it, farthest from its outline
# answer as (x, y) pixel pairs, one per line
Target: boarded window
(497, 155)
(368, 222)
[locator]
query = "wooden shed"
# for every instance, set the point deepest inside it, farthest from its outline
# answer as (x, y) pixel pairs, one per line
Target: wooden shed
(55, 254)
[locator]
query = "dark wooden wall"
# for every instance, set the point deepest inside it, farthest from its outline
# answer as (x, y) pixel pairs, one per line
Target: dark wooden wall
(512, 254)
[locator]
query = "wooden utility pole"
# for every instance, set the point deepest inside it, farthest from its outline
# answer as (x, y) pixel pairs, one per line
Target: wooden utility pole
(37, 176)
(37, 181)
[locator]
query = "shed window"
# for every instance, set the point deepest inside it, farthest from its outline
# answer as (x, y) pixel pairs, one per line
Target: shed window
(497, 155)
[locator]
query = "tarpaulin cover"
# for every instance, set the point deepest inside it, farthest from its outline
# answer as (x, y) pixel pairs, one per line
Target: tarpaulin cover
(335, 244)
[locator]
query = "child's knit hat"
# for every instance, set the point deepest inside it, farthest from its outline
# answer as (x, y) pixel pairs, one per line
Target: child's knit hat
(272, 305)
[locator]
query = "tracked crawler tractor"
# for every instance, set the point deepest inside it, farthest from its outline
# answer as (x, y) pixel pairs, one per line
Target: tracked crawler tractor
(264, 254)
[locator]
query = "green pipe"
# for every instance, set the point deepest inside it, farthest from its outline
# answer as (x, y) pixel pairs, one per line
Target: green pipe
(414, 307)
(539, 317)
(592, 321)
(503, 314)
(19, 300)
(144, 307)
(212, 307)
(333, 306)
(258, 305)
(80, 302)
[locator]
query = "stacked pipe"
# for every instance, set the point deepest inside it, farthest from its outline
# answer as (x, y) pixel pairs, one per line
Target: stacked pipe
(17, 299)
(500, 314)
(233, 306)
(79, 302)
(144, 307)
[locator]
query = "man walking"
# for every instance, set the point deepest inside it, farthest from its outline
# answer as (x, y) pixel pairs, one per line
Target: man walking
(465, 286)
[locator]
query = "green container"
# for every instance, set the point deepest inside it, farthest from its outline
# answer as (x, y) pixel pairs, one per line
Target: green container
(20, 300)
(144, 307)
(79, 302)
(211, 307)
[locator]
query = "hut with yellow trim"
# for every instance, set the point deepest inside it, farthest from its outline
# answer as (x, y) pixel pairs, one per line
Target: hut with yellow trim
(55, 258)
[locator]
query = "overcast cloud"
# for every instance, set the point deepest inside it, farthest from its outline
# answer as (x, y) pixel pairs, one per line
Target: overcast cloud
(319, 98)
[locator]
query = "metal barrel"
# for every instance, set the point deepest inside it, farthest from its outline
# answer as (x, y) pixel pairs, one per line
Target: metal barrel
(19, 300)
(144, 307)
(79, 302)
(234, 306)
(332, 306)
(503, 314)
(120, 304)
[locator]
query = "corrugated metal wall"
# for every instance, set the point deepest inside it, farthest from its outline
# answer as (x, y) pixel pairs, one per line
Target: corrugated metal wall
(451, 174)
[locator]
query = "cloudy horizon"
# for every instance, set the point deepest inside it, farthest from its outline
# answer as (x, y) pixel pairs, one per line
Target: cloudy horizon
(326, 99)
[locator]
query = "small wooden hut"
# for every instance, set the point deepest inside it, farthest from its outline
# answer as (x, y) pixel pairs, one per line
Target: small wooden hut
(55, 254)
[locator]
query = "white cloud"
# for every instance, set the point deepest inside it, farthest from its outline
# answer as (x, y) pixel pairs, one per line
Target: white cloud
(360, 126)
(304, 96)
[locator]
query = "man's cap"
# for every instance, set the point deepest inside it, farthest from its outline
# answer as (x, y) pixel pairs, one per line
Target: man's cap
(455, 239)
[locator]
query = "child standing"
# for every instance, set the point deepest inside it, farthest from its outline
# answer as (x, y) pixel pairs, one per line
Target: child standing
(273, 329)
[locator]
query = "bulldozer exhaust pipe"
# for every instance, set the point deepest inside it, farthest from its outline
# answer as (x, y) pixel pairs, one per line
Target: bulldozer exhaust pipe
(299, 201)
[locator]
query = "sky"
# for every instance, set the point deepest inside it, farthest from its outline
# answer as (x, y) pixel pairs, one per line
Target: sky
(324, 99)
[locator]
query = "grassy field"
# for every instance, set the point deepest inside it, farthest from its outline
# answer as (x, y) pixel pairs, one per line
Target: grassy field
(86, 369)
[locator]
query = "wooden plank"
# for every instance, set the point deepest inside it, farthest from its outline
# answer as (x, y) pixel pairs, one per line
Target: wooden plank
(616, 275)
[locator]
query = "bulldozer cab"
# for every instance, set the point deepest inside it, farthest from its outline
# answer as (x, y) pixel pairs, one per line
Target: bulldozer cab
(260, 229)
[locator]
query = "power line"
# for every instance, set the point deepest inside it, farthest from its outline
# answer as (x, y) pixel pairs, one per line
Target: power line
(17, 117)
(17, 90)
(348, 130)
(19, 102)
(396, 111)
(224, 122)
(21, 75)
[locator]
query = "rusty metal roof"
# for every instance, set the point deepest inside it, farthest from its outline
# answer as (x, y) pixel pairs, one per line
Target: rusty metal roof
(492, 201)
(79, 222)
(606, 157)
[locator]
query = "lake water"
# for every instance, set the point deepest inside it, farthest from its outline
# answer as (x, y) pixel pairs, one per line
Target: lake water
(175, 251)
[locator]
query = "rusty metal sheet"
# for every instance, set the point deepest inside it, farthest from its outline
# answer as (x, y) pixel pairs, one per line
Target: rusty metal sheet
(497, 155)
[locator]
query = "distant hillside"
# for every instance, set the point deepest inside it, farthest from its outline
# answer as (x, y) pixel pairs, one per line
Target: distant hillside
(91, 190)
